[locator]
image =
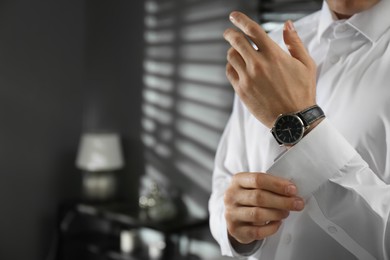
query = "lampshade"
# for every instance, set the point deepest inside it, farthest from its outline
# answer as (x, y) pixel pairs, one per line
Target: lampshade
(99, 152)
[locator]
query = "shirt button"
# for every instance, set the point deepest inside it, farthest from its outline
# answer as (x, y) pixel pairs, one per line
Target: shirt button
(342, 28)
(332, 229)
(334, 59)
(288, 239)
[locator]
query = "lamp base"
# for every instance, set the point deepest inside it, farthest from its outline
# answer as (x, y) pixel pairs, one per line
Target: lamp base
(99, 186)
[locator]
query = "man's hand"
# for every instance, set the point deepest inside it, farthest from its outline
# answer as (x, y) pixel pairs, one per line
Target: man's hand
(269, 81)
(256, 204)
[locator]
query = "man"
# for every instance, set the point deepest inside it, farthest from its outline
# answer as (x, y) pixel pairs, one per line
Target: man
(317, 185)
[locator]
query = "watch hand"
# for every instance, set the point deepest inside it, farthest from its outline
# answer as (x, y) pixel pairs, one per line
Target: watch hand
(289, 130)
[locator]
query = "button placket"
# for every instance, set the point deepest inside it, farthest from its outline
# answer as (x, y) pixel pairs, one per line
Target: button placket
(332, 230)
(337, 48)
(287, 239)
(341, 28)
(334, 59)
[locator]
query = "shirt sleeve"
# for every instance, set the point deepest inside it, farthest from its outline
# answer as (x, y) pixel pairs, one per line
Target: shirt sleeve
(340, 190)
(344, 197)
(231, 148)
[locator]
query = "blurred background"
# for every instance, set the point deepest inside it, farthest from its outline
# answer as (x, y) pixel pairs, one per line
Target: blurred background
(110, 115)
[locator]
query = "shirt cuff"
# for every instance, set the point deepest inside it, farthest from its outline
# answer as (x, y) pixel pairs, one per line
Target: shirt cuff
(318, 157)
(241, 250)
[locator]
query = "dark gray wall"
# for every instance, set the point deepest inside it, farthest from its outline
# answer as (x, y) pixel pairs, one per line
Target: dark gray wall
(113, 79)
(65, 67)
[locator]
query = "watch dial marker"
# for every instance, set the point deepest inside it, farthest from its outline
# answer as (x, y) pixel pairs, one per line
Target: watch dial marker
(289, 129)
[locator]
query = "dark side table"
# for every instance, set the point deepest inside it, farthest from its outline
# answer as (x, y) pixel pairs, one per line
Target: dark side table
(91, 231)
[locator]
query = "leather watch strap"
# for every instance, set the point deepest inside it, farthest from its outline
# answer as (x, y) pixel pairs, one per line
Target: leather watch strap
(311, 114)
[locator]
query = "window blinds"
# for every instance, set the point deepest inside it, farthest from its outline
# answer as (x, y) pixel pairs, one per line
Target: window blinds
(273, 13)
(186, 96)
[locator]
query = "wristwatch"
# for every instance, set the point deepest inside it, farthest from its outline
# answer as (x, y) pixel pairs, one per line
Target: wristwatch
(290, 128)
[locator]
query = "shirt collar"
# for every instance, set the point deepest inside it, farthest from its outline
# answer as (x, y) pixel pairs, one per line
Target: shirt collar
(371, 23)
(327, 18)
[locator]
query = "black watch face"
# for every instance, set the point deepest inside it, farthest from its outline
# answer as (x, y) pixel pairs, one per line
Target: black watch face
(289, 129)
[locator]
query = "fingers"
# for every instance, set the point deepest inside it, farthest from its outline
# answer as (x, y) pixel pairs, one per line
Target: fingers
(231, 74)
(252, 29)
(239, 42)
(266, 199)
(256, 180)
(235, 59)
(254, 215)
(256, 204)
(295, 45)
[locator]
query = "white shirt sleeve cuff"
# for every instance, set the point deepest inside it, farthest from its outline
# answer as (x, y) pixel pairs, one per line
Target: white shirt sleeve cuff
(318, 157)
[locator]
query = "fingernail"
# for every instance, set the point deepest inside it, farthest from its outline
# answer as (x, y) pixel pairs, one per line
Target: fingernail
(291, 190)
(298, 204)
(232, 16)
(289, 26)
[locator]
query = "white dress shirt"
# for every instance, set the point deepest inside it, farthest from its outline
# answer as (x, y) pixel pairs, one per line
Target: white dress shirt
(342, 167)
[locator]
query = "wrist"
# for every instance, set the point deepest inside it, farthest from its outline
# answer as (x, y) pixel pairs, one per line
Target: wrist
(289, 129)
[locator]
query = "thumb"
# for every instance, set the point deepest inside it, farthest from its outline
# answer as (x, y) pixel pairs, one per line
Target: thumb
(295, 45)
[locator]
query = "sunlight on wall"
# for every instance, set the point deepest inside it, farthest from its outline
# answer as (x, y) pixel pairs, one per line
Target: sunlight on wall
(186, 98)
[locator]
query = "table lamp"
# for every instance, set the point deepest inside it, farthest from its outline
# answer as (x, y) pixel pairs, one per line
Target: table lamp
(99, 156)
